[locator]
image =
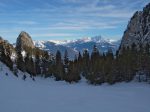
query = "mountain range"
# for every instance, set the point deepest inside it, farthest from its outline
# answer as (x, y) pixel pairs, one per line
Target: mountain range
(75, 46)
(137, 31)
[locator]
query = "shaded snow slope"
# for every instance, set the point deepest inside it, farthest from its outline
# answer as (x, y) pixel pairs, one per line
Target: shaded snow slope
(47, 95)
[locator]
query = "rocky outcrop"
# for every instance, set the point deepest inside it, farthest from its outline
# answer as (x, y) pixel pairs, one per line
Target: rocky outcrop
(24, 40)
(7, 45)
(1, 40)
(138, 29)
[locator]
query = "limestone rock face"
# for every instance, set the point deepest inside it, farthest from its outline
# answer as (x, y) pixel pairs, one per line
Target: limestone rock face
(138, 29)
(24, 40)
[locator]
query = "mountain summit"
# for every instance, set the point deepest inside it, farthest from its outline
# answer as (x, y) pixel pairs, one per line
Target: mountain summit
(138, 29)
(24, 39)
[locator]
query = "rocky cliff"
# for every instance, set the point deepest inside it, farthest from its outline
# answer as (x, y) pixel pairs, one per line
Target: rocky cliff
(138, 29)
(24, 40)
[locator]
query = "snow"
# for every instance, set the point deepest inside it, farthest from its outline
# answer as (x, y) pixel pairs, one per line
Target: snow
(13, 56)
(77, 45)
(47, 95)
(96, 39)
(39, 44)
(23, 53)
(60, 42)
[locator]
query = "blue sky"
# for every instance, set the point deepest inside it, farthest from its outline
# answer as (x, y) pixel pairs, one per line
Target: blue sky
(66, 19)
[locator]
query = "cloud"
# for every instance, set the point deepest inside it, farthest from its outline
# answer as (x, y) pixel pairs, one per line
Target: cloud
(53, 35)
(82, 25)
(26, 22)
(19, 22)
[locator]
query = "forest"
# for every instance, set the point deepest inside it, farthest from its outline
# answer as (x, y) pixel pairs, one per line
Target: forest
(97, 67)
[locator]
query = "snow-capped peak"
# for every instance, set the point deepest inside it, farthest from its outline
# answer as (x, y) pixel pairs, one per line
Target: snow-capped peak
(60, 42)
(96, 39)
(86, 39)
(78, 45)
(39, 44)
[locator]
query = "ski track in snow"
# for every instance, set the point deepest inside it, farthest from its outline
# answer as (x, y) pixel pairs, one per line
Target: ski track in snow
(47, 95)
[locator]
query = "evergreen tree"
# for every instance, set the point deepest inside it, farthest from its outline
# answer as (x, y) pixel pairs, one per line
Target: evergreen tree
(58, 67)
(37, 63)
(46, 64)
(147, 58)
(9, 62)
(80, 63)
(66, 62)
(2, 53)
(95, 75)
(108, 65)
(32, 69)
(79, 57)
(66, 59)
(73, 73)
(95, 54)
(85, 63)
(27, 63)
(5, 56)
(20, 62)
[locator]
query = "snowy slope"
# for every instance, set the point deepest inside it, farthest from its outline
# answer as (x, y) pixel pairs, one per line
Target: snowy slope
(47, 95)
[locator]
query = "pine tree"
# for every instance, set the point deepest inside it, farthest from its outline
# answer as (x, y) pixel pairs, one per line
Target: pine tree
(95, 75)
(20, 62)
(58, 67)
(27, 63)
(95, 53)
(66, 59)
(80, 63)
(9, 62)
(146, 61)
(32, 69)
(79, 57)
(58, 57)
(37, 63)
(66, 62)
(108, 66)
(45, 64)
(85, 63)
(2, 53)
